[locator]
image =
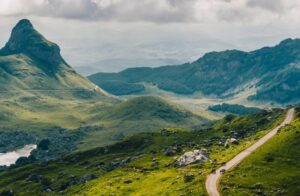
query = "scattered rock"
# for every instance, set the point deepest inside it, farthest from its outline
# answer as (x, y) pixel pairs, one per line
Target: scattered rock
(258, 186)
(8, 192)
(65, 185)
(191, 157)
(280, 192)
(87, 178)
(236, 134)
(101, 165)
(168, 164)
(169, 151)
(116, 164)
(35, 178)
(125, 161)
(46, 182)
(128, 181)
(152, 152)
(72, 177)
(234, 141)
(47, 189)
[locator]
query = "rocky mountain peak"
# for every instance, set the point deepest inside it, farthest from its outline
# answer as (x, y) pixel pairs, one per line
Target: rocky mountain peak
(25, 39)
(24, 24)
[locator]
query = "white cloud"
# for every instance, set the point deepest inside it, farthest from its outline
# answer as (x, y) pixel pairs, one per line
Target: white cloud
(159, 11)
(101, 33)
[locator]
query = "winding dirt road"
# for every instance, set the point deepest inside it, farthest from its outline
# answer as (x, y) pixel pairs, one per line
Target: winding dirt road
(214, 178)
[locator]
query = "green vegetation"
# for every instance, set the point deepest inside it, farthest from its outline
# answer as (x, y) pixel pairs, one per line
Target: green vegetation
(120, 87)
(94, 123)
(76, 125)
(272, 170)
(142, 164)
(234, 109)
(282, 87)
(42, 98)
(274, 71)
(15, 139)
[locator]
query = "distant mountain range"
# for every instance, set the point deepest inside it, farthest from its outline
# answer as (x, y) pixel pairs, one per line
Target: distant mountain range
(273, 71)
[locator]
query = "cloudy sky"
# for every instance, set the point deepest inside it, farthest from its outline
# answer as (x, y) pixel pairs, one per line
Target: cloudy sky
(110, 35)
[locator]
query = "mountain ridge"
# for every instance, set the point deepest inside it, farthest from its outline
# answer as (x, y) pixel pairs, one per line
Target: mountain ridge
(216, 73)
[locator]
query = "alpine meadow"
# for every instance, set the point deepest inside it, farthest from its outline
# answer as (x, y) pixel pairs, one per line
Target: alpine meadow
(149, 98)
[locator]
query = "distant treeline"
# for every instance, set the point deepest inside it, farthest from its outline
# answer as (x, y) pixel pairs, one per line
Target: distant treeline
(234, 109)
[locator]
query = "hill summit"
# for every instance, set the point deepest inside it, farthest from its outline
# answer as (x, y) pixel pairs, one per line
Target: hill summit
(29, 62)
(25, 39)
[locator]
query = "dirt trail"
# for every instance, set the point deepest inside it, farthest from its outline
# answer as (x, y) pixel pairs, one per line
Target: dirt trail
(214, 178)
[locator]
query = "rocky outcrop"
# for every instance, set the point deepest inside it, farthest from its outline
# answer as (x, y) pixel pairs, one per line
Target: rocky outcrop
(234, 141)
(35, 178)
(25, 39)
(191, 157)
(8, 192)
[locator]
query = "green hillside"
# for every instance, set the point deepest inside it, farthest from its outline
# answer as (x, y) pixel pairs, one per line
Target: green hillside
(42, 97)
(141, 114)
(137, 165)
(274, 71)
(30, 64)
(272, 170)
(149, 106)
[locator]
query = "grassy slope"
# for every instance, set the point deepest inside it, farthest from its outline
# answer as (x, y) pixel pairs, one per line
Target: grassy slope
(30, 62)
(272, 170)
(36, 114)
(149, 174)
(141, 114)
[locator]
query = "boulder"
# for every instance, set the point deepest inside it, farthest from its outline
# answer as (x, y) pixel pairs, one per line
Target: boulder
(125, 161)
(128, 181)
(191, 157)
(169, 151)
(8, 192)
(47, 189)
(101, 165)
(87, 178)
(152, 152)
(35, 178)
(234, 141)
(64, 185)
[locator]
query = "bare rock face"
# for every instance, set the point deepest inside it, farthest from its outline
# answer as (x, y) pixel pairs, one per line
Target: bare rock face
(192, 157)
(25, 39)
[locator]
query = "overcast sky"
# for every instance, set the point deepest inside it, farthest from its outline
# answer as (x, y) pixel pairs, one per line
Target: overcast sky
(110, 35)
